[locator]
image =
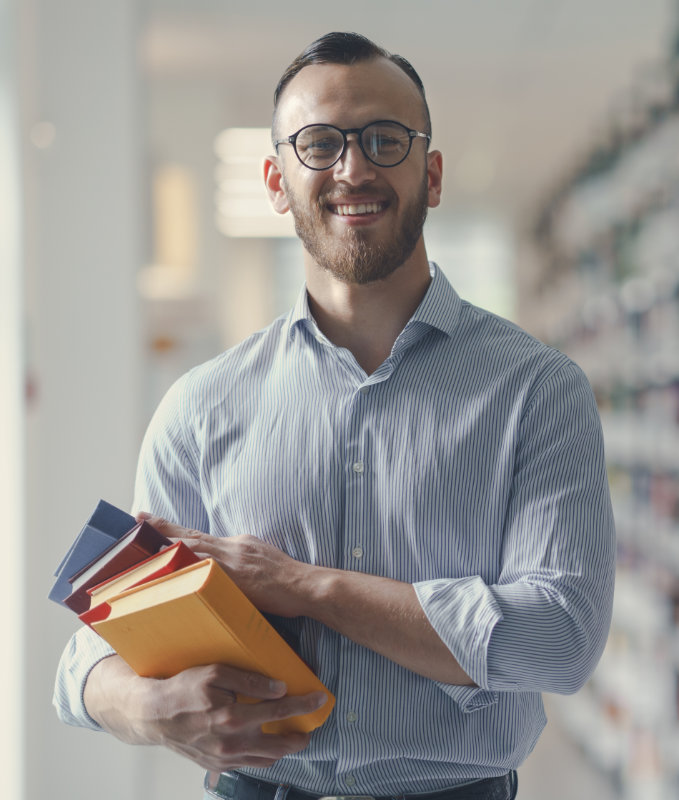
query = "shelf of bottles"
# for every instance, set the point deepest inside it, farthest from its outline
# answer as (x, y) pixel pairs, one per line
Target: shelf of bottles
(609, 294)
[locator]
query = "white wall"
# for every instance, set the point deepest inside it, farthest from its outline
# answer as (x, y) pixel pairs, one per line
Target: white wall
(11, 413)
(85, 210)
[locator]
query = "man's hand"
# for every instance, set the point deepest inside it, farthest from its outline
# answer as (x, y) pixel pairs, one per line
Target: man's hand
(263, 572)
(195, 713)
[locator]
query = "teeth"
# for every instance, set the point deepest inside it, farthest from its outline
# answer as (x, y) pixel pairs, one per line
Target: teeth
(361, 208)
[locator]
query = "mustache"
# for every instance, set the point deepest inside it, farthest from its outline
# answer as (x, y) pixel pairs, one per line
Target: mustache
(336, 197)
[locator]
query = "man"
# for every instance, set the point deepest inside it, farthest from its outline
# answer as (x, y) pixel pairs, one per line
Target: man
(414, 485)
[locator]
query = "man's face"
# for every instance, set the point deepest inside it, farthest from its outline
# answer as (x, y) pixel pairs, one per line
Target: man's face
(358, 221)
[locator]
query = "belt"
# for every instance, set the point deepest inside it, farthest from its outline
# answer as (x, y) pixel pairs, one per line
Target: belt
(236, 786)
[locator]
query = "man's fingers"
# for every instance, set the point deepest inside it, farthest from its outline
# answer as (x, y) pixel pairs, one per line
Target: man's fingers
(201, 542)
(275, 705)
(165, 527)
(229, 679)
(272, 710)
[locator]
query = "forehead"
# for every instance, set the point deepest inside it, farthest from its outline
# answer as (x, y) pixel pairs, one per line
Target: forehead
(349, 96)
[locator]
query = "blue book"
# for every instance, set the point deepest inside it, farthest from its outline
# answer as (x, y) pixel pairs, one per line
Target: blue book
(106, 525)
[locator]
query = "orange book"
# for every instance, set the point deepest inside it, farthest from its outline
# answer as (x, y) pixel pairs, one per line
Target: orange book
(198, 616)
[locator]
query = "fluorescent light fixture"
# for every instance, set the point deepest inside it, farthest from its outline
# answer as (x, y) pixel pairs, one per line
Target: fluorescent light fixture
(242, 208)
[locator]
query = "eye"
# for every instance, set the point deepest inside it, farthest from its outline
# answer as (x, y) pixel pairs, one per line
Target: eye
(318, 144)
(386, 142)
(386, 139)
(323, 145)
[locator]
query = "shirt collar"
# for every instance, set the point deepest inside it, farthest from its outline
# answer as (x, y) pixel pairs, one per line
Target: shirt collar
(300, 314)
(440, 307)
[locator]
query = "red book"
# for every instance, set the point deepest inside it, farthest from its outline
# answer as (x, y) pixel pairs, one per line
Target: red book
(135, 546)
(166, 561)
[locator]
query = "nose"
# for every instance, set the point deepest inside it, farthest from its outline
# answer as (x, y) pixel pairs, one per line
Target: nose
(353, 168)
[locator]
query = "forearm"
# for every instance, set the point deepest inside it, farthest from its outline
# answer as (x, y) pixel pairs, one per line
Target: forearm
(519, 637)
(381, 614)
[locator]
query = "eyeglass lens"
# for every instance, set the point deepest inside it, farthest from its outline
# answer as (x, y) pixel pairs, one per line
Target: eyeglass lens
(384, 143)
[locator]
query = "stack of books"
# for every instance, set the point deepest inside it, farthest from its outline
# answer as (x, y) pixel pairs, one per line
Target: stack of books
(163, 609)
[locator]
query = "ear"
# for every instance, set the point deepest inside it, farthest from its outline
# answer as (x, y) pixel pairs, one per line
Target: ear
(273, 180)
(434, 177)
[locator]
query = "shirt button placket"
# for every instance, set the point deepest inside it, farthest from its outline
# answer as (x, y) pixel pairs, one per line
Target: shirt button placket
(353, 554)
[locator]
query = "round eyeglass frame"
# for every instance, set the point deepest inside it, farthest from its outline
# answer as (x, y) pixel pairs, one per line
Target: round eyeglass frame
(412, 134)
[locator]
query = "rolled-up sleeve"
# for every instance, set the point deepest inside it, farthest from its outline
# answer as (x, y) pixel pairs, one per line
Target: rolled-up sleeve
(543, 624)
(83, 652)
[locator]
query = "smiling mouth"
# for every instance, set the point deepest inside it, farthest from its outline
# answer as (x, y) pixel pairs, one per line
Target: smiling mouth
(357, 209)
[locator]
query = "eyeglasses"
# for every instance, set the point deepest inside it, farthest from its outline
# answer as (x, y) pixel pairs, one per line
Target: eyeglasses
(384, 143)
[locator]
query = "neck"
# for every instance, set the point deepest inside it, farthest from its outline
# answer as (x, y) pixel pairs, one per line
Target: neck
(367, 318)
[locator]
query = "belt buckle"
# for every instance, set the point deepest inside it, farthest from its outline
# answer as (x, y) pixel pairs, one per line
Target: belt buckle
(347, 797)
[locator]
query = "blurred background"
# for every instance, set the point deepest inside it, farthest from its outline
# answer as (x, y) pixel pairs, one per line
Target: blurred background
(136, 241)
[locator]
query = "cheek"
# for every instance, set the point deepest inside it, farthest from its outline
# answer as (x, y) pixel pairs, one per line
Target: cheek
(303, 190)
(409, 179)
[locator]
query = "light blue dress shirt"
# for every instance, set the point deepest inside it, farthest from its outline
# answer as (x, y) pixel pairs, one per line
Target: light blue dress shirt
(469, 464)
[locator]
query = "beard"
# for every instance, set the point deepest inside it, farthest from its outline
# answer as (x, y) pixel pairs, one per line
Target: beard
(355, 257)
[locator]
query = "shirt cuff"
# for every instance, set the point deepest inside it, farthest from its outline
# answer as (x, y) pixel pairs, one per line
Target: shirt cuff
(83, 652)
(463, 612)
(469, 698)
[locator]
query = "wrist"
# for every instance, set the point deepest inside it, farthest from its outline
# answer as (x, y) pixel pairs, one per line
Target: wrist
(303, 589)
(120, 701)
(315, 592)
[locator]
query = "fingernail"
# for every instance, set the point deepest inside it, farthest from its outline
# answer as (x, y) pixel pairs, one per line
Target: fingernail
(321, 699)
(278, 687)
(144, 515)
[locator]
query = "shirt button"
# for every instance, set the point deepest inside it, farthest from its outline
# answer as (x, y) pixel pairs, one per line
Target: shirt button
(357, 552)
(358, 467)
(350, 780)
(364, 389)
(352, 716)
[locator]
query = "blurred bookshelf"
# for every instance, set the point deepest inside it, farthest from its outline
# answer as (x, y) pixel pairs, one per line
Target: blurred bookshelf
(608, 296)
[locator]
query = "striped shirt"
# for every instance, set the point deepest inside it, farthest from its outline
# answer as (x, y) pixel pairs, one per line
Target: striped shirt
(469, 464)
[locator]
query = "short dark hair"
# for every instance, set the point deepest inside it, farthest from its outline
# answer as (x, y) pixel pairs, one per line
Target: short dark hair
(346, 48)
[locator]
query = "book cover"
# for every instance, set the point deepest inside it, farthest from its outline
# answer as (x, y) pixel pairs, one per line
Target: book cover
(164, 562)
(105, 526)
(135, 546)
(197, 616)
